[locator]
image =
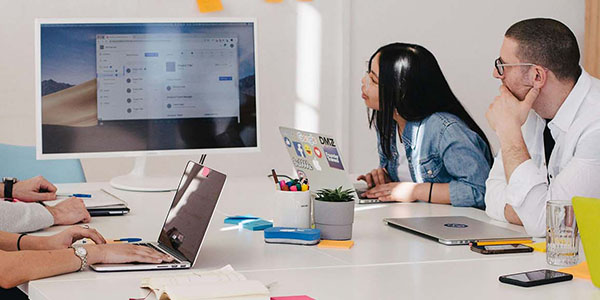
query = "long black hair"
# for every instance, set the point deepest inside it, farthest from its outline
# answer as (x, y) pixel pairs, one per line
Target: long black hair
(411, 83)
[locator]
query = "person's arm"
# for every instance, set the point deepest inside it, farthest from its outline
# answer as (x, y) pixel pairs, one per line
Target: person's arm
(24, 217)
(579, 177)
(17, 267)
(466, 163)
(495, 191)
(33, 190)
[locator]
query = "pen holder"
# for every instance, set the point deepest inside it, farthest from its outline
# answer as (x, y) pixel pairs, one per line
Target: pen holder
(292, 209)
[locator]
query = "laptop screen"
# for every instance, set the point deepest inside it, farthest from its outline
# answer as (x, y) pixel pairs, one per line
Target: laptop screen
(192, 209)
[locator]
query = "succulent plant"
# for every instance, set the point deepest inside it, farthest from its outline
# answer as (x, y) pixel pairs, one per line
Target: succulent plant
(335, 195)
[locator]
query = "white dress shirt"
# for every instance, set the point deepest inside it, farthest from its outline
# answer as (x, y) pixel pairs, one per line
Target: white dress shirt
(573, 168)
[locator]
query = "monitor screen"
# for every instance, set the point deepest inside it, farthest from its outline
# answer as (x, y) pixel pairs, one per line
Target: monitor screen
(114, 87)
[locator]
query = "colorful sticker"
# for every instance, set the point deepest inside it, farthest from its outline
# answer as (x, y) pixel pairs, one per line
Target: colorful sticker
(287, 142)
(300, 163)
(308, 149)
(299, 149)
(333, 157)
(317, 152)
(316, 164)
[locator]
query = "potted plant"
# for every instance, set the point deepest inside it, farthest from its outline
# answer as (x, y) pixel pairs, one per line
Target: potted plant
(334, 213)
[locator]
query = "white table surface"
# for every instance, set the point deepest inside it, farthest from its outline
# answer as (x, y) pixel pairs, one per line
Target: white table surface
(385, 263)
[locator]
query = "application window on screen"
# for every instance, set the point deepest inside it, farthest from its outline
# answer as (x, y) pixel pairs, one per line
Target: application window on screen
(167, 76)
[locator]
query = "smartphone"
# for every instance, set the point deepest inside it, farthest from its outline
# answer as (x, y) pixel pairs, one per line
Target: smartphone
(500, 249)
(533, 278)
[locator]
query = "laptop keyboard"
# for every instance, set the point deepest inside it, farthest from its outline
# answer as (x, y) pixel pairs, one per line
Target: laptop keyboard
(159, 250)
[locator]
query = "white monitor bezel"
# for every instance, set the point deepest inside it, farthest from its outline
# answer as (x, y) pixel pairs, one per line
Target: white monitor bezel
(138, 153)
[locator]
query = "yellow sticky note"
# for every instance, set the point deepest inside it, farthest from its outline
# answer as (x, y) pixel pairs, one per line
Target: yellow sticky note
(336, 244)
(274, 1)
(580, 271)
(207, 6)
(540, 247)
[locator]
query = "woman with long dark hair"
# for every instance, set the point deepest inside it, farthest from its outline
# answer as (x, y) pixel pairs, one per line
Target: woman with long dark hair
(448, 155)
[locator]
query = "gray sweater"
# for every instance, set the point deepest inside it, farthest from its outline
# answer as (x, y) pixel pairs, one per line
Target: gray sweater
(24, 217)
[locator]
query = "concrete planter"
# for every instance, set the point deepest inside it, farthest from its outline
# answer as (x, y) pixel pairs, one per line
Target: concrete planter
(334, 219)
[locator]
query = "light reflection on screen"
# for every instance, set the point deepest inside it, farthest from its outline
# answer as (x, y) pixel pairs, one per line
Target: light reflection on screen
(192, 209)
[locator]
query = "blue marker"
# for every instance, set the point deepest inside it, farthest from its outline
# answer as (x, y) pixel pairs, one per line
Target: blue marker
(82, 195)
(128, 240)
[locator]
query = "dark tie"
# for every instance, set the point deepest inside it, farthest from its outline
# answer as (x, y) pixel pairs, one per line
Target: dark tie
(548, 142)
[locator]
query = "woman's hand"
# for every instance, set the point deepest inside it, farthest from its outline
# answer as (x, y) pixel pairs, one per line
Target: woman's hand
(68, 236)
(124, 253)
(395, 191)
(376, 177)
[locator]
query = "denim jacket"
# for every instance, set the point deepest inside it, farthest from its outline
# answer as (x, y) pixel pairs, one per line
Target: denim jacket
(443, 149)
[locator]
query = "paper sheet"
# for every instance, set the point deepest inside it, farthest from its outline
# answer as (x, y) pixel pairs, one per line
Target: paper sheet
(224, 283)
(99, 199)
(206, 6)
(580, 271)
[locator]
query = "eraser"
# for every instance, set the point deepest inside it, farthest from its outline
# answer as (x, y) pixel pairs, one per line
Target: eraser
(257, 225)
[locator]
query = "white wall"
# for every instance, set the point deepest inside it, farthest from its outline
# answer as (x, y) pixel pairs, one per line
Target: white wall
(310, 60)
(305, 102)
(465, 36)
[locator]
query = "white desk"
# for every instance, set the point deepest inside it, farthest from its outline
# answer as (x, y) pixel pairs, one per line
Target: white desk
(385, 263)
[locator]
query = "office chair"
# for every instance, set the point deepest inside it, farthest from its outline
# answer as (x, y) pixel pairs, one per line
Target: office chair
(20, 162)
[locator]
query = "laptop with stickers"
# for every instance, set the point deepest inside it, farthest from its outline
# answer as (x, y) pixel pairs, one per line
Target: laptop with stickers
(317, 157)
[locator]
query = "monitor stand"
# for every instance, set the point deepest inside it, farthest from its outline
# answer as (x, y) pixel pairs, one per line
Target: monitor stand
(138, 182)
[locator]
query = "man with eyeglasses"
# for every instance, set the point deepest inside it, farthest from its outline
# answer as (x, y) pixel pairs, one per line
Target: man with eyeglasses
(547, 118)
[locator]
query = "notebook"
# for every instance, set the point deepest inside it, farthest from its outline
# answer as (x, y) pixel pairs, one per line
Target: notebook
(224, 283)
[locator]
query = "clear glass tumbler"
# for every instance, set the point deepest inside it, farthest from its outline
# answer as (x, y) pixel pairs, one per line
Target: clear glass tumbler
(562, 235)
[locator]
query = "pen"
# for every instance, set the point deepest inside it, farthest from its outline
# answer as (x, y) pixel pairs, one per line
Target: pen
(128, 240)
(76, 195)
(487, 243)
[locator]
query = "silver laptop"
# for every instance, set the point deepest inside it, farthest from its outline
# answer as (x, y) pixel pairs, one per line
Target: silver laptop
(317, 157)
(187, 221)
(456, 230)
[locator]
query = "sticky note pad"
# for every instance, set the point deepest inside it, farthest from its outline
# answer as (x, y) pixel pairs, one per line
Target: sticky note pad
(302, 297)
(336, 244)
(540, 247)
(207, 6)
(257, 225)
(239, 219)
(580, 271)
(274, 1)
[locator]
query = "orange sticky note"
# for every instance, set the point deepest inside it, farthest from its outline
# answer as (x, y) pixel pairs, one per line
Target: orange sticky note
(207, 6)
(540, 247)
(580, 271)
(274, 1)
(336, 244)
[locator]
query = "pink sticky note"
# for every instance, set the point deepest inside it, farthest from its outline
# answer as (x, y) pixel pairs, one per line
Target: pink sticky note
(302, 297)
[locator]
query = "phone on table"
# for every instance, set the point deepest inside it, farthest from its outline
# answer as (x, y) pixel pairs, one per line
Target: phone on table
(500, 249)
(537, 277)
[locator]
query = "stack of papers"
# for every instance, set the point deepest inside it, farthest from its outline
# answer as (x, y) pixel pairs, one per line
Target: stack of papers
(224, 283)
(98, 202)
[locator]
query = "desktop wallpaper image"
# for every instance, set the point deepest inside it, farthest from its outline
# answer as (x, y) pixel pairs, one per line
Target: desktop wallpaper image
(69, 95)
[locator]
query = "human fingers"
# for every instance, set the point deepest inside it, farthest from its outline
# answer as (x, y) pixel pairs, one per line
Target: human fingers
(531, 97)
(45, 186)
(369, 180)
(92, 234)
(381, 175)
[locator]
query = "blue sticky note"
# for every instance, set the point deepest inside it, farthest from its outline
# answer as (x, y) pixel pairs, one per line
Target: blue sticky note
(257, 225)
(238, 219)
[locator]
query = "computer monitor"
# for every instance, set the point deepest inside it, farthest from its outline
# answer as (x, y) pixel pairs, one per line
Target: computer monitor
(114, 88)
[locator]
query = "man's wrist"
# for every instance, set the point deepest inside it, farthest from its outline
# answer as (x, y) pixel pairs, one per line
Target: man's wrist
(94, 254)
(54, 214)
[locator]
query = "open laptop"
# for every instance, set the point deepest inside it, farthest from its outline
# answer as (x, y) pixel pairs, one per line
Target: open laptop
(317, 157)
(454, 230)
(587, 211)
(188, 219)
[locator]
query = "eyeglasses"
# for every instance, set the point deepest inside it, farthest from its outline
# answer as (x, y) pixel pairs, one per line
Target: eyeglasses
(368, 73)
(500, 65)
